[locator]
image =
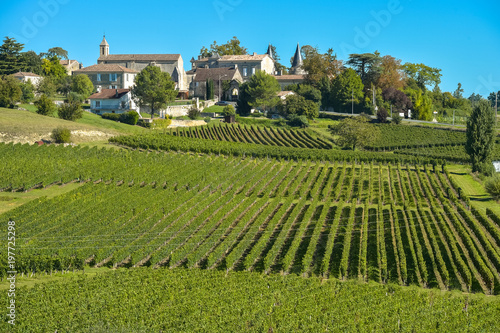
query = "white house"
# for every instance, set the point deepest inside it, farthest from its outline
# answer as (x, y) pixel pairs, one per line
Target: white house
(496, 165)
(112, 101)
(25, 76)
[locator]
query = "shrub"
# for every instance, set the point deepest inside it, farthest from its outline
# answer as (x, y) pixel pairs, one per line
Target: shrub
(161, 123)
(111, 116)
(382, 115)
(207, 119)
(61, 135)
(45, 106)
(298, 121)
(74, 97)
(397, 119)
(228, 111)
(70, 111)
(130, 118)
(27, 92)
(493, 186)
(193, 113)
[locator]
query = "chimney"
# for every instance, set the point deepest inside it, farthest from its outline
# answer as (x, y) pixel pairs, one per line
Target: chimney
(116, 93)
(199, 57)
(98, 89)
(255, 54)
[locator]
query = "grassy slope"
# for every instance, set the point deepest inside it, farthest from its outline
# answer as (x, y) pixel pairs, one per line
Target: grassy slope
(28, 126)
(11, 200)
(474, 189)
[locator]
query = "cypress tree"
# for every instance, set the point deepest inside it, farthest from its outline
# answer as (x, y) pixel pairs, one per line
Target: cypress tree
(480, 137)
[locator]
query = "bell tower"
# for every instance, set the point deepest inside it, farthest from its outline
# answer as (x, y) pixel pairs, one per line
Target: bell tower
(104, 48)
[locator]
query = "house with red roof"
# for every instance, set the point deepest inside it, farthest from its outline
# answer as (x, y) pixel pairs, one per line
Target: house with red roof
(112, 101)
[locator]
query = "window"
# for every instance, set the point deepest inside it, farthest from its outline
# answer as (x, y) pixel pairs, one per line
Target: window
(245, 71)
(98, 77)
(97, 104)
(253, 70)
(196, 84)
(112, 77)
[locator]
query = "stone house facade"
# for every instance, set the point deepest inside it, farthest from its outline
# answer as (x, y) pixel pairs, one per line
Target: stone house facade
(247, 65)
(27, 76)
(107, 76)
(70, 65)
(198, 82)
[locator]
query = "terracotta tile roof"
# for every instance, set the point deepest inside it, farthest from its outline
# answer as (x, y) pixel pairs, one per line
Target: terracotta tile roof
(65, 62)
(202, 74)
(289, 77)
(285, 93)
(245, 57)
(110, 94)
(23, 74)
(140, 57)
(103, 68)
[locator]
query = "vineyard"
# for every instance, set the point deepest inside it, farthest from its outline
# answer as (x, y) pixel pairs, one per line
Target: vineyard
(253, 134)
(400, 137)
(401, 223)
(165, 142)
(145, 300)
(452, 153)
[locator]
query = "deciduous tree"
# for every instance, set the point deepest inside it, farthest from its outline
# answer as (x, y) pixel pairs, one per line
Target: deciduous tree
(347, 88)
(232, 47)
(423, 75)
(354, 132)
(263, 89)
(391, 73)
(82, 85)
(153, 88)
(10, 92)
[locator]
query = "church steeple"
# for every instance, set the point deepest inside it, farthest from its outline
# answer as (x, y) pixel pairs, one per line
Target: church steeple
(297, 62)
(104, 48)
(270, 52)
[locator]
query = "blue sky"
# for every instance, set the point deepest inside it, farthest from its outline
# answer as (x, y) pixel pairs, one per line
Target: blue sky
(460, 37)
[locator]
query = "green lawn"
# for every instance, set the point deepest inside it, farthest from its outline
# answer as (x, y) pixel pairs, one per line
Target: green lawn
(31, 281)
(214, 109)
(473, 188)
(11, 200)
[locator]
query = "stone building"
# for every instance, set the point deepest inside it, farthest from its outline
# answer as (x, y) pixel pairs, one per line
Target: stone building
(109, 76)
(198, 82)
(169, 63)
(70, 65)
(28, 77)
(247, 64)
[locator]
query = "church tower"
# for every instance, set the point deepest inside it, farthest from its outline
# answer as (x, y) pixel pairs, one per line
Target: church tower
(104, 48)
(297, 63)
(270, 52)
